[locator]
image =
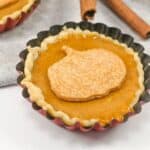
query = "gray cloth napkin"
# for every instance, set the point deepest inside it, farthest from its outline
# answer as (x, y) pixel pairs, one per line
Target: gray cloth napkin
(52, 12)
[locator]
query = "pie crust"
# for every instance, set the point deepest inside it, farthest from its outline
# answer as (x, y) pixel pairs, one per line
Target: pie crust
(35, 47)
(36, 93)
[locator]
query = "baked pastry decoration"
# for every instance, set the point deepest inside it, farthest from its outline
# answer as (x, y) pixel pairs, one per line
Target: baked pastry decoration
(85, 76)
(14, 12)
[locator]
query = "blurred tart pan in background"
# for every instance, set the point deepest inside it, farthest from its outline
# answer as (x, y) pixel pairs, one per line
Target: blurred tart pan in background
(14, 12)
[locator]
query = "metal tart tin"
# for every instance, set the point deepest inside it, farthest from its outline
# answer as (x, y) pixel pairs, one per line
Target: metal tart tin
(101, 28)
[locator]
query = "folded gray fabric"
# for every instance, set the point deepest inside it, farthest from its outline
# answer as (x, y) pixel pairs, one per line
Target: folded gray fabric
(52, 12)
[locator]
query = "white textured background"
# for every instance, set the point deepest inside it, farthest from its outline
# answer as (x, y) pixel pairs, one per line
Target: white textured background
(22, 128)
(52, 12)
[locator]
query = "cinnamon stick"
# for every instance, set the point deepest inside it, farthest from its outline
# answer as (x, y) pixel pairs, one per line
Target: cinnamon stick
(88, 9)
(130, 17)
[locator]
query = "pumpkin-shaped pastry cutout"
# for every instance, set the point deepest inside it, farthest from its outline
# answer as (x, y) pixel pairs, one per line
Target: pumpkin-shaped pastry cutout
(83, 76)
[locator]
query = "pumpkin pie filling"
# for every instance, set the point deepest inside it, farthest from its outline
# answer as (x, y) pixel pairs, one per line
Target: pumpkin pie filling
(6, 2)
(114, 105)
(12, 7)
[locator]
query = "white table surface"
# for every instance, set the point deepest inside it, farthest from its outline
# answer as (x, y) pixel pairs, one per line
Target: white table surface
(22, 128)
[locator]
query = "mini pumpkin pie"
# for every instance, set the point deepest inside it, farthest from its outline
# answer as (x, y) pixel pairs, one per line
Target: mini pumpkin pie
(13, 12)
(83, 75)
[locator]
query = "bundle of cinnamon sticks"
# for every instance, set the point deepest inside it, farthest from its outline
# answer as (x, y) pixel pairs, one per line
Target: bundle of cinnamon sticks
(88, 9)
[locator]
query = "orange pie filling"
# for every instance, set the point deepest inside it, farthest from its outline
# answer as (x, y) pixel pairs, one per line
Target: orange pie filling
(4, 3)
(112, 106)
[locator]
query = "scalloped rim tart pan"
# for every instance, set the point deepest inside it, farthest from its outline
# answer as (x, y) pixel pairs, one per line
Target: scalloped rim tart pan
(101, 28)
(10, 23)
